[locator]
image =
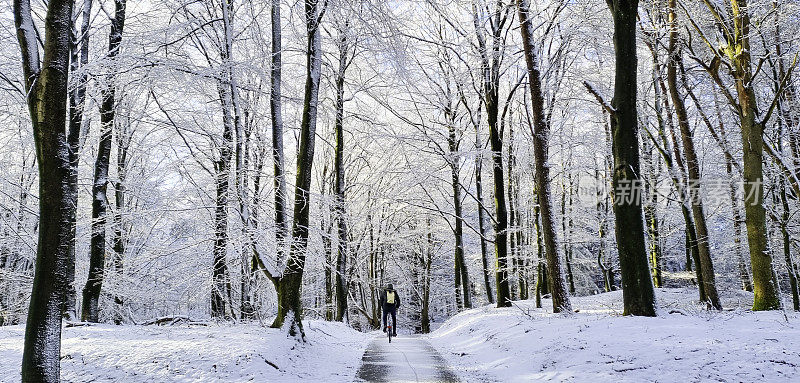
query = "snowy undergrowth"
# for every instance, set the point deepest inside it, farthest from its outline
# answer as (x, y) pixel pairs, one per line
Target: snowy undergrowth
(217, 353)
(597, 344)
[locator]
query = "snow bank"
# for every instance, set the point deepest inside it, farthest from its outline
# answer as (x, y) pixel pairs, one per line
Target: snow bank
(229, 353)
(685, 343)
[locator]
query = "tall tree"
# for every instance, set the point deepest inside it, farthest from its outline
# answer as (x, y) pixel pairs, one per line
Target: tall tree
(46, 90)
(345, 59)
(289, 303)
(734, 22)
(281, 221)
(462, 286)
(692, 163)
(91, 292)
(241, 148)
(221, 284)
(540, 134)
(120, 226)
(77, 99)
(479, 147)
(490, 71)
(637, 285)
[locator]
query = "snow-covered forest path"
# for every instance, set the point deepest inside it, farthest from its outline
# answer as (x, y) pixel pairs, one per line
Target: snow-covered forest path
(406, 359)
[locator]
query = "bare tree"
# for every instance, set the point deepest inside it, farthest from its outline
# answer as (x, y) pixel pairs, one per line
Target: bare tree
(541, 131)
(46, 88)
(91, 292)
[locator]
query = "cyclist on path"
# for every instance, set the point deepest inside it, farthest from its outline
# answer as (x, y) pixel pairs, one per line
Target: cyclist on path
(390, 301)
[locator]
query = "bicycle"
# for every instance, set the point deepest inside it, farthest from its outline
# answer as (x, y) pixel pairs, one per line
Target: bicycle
(389, 331)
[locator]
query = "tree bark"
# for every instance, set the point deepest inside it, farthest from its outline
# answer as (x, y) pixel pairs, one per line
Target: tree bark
(281, 221)
(221, 284)
(120, 230)
(481, 218)
(637, 284)
(342, 248)
(512, 209)
(540, 134)
(651, 213)
(241, 155)
(764, 283)
(566, 225)
(289, 294)
(490, 69)
(91, 292)
(463, 296)
(46, 85)
(77, 100)
(787, 253)
(692, 164)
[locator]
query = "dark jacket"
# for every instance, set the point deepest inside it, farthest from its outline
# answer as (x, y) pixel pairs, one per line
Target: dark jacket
(382, 298)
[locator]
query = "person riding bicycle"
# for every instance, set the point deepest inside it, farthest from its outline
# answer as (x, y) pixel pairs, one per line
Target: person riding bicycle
(390, 301)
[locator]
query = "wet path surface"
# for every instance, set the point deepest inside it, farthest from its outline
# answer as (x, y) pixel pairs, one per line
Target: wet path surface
(406, 359)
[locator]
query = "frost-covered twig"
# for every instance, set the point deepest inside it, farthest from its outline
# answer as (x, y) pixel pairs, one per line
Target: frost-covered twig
(596, 94)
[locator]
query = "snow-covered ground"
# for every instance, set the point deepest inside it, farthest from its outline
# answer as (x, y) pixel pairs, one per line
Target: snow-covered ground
(216, 353)
(518, 344)
(684, 344)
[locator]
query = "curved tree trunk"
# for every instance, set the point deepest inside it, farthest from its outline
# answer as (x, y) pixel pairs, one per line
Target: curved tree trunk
(692, 164)
(541, 131)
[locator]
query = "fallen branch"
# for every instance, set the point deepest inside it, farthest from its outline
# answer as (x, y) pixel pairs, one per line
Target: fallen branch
(173, 320)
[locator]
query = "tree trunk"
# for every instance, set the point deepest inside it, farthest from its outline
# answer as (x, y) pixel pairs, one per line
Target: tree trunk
(289, 293)
(342, 248)
(481, 218)
(672, 157)
(677, 172)
(241, 147)
(512, 212)
(637, 284)
(787, 253)
(602, 218)
(540, 134)
(541, 272)
(603, 201)
(120, 230)
(566, 226)
(77, 100)
(650, 212)
(764, 283)
(327, 249)
(221, 285)
(91, 292)
(46, 85)
(490, 71)
(692, 164)
(427, 252)
(463, 296)
(281, 221)
(326, 228)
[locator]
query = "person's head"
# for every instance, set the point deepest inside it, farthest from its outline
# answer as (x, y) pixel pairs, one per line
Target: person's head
(389, 287)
